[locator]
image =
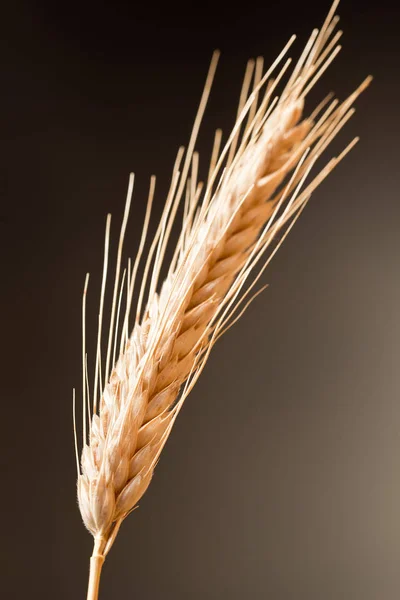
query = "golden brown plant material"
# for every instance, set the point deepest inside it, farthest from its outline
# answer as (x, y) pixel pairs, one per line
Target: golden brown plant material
(256, 189)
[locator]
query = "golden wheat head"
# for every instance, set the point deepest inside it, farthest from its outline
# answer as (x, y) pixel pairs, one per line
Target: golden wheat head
(256, 189)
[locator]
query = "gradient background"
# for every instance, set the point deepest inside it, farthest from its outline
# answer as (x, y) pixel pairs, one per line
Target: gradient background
(282, 477)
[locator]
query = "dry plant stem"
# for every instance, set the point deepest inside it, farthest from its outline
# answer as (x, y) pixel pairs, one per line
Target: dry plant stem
(96, 564)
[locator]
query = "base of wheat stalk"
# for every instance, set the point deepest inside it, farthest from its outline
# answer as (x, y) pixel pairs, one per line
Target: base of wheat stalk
(96, 564)
(101, 547)
(255, 191)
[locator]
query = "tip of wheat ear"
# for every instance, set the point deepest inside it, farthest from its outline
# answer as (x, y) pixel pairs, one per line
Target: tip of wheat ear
(256, 188)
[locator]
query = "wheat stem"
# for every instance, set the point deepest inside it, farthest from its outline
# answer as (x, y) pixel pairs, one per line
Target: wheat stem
(96, 564)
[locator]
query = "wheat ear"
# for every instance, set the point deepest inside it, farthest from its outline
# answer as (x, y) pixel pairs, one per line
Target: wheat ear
(256, 189)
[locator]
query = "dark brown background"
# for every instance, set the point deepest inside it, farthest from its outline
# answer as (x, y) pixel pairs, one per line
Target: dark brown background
(282, 477)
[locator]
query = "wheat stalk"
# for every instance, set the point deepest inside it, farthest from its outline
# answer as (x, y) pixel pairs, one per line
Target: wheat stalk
(255, 190)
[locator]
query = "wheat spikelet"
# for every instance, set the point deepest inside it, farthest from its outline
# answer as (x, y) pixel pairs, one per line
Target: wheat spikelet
(255, 190)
